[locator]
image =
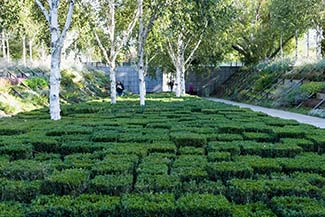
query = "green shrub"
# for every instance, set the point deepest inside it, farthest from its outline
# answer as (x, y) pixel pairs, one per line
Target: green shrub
(71, 181)
(205, 186)
(187, 150)
(290, 132)
(157, 183)
(154, 169)
(11, 209)
(297, 207)
(23, 170)
(96, 206)
(252, 210)
(112, 185)
(259, 137)
(307, 145)
(219, 156)
(43, 143)
(189, 139)
(228, 170)
(147, 205)
(80, 161)
(190, 173)
(207, 205)
(115, 165)
(162, 147)
(270, 149)
(229, 137)
(231, 128)
(22, 191)
(312, 87)
(36, 83)
(232, 147)
(17, 151)
(312, 178)
(261, 165)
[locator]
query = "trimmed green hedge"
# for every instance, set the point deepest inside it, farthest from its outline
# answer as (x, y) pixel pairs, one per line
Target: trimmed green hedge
(71, 181)
(11, 209)
(188, 139)
(111, 184)
(298, 207)
(228, 170)
(147, 205)
(207, 205)
(22, 191)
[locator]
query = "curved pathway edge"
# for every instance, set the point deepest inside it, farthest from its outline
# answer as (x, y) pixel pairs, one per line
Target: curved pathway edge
(317, 122)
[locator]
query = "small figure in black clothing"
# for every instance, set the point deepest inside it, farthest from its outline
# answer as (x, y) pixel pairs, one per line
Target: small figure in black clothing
(119, 88)
(171, 84)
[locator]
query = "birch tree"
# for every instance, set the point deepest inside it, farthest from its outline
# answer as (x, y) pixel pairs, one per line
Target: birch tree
(184, 26)
(115, 21)
(57, 39)
(146, 22)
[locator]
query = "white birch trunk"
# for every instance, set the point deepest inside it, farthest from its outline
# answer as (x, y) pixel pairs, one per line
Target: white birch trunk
(24, 51)
(112, 75)
(112, 62)
(31, 52)
(308, 43)
(183, 88)
(141, 70)
(178, 81)
(55, 75)
(319, 37)
(3, 45)
(297, 44)
(8, 49)
(57, 40)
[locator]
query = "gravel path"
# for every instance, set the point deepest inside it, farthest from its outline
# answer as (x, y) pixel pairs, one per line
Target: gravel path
(317, 122)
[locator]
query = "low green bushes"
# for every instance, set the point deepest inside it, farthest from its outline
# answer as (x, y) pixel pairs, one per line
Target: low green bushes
(111, 184)
(84, 205)
(252, 210)
(208, 205)
(23, 170)
(247, 190)
(189, 139)
(147, 205)
(297, 206)
(227, 170)
(22, 191)
(11, 209)
(71, 181)
(157, 183)
(17, 151)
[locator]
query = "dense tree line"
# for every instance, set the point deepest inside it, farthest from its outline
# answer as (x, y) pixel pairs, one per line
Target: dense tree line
(174, 35)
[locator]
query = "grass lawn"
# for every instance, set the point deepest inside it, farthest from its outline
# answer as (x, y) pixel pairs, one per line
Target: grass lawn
(177, 157)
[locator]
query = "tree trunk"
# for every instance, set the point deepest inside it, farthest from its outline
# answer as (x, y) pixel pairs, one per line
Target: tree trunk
(308, 43)
(31, 52)
(142, 84)
(183, 88)
(319, 35)
(8, 49)
(24, 51)
(297, 44)
(55, 75)
(3, 45)
(281, 47)
(178, 81)
(112, 75)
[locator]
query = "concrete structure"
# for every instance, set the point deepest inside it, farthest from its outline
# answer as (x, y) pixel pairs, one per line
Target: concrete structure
(203, 83)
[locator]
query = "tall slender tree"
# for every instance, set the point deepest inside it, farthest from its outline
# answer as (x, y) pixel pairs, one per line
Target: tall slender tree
(57, 39)
(114, 20)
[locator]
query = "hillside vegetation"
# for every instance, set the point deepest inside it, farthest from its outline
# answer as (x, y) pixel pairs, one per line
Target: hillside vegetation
(176, 157)
(76, 86)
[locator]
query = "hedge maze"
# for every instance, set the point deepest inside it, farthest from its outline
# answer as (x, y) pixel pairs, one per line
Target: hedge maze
(177, 157)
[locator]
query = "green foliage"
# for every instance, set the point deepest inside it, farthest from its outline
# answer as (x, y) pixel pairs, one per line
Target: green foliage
(71, 181)
(22, 191)
(228, 170)
(312, 87)
(37, 83)
(11, 209)
(189, 139)
(297, 206)
(112, 185)
(146, 205)
(203, 205)
(252, 210)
